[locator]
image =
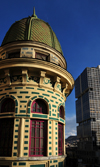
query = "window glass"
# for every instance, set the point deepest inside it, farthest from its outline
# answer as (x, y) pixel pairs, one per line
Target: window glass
(8, 105)
(41, 56)
(39, 106)
(61, 112)
(6, 136)
(37, 138)
(60, 139)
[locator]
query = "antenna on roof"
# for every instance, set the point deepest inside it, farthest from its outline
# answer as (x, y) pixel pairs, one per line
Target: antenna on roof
(34, 15)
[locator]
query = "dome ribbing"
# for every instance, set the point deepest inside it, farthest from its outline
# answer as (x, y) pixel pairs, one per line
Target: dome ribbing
(32, 29)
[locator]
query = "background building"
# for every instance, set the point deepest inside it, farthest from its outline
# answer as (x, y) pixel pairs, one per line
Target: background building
(34, 85)
(87, 92)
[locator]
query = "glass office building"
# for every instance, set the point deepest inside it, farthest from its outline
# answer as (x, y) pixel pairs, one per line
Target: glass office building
(87, 92)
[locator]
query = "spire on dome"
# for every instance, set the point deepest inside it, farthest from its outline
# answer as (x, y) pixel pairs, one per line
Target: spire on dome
(34, 15)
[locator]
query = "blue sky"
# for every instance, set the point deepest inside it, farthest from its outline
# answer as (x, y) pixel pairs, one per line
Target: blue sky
(77, 26)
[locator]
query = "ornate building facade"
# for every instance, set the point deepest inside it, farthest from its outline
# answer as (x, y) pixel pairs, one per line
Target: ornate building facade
(34, 85)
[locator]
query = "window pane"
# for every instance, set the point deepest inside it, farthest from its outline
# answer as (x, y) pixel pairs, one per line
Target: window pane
(32, 143)
(37, 142)
(33, 132)
(37, 132)
(41, 143)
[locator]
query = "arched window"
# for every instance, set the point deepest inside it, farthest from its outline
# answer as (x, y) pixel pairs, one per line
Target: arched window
(39, 106)
(8, 105)
(61, 112)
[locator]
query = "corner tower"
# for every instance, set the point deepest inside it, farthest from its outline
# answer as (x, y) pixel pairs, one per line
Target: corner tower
(34, 85)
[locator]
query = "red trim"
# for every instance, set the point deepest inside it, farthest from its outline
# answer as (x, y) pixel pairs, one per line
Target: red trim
(60, 139)
(38, 106)
(37, 129)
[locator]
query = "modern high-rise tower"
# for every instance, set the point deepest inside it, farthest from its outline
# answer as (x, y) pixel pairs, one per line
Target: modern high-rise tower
(87, 92)
(34, 85)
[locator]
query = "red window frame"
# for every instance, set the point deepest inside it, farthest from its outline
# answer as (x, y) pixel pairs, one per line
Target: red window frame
(39, 106)
(8, 105)
(37, 144)
(60, 139)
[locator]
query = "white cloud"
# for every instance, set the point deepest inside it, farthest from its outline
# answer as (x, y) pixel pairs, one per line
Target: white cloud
(70, 127)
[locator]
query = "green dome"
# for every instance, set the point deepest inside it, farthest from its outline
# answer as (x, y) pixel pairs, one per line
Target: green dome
(32, 29)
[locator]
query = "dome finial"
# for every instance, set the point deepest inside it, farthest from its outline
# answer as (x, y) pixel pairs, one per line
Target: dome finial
(34, 15)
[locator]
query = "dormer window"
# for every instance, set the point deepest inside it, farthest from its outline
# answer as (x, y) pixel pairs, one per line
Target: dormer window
(41, 56)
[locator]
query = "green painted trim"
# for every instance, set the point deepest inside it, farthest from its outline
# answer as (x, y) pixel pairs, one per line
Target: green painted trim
(12, 92)
(49, 127)
(56, 143)
(18, 87)
(56, 138)
(54, 106)
(22, 115)
(16, 125)
(50, 91)
(14, 154)
(16, 136)
(15, 148)
(22, 111)
(22, 163)
(25, 142)
(34, 97)
(62, 120)
(13, 97)
(16, 103)
(17, 120)
(53, 118)
(55, 161)
(50, 153)
(26, 131)
(60, 100)
(16, 130)
(3, 94)
(46, 99)
(50, 142)
(49, 122)
(54, 97)
(15, 142)
(45, 94)
(26, 136)
(53, 114)
(1, 115)
(49, 113)
(29, 88)
(25, 153)
(23, 92)
(56, 102)
(39, 116)
(49, 148)
(28, 110)
(26, 125)
(57, 94)
(35, 93)
(56, 133)
(25, 148)
(50, 137)
(14, 163)
(23, 101)
(8, 88)
(27, 96)
(40, 89)
(56, 123)
(41, 97)
(52, 100)
(49, 106)
(19, 96)
(27, 120)
(49, 132)
(56, 148)
(50, 161)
